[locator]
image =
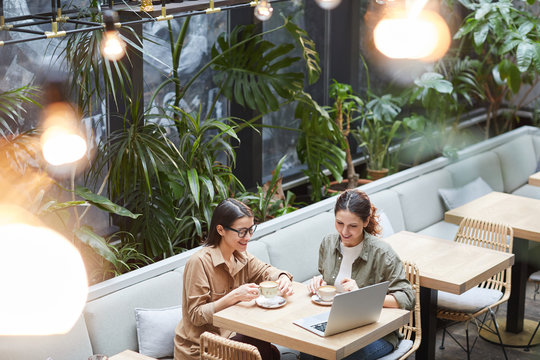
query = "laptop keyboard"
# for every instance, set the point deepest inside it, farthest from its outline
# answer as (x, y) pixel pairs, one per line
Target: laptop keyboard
(321, 326)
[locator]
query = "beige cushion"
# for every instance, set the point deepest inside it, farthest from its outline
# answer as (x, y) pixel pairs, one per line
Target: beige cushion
(295, 248)
(403, 346)
(485, 165)
(470, 301)
(455, 197)
(388, 202)
(156, 330)
(518, 161)
(420, 202)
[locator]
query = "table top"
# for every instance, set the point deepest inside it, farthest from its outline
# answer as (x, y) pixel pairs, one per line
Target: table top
(534, 179)
(447, 265)
(130, 355)
(521, 213)
(276, 326)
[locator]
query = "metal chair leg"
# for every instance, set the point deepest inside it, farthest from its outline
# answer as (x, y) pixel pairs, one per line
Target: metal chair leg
(442, 340)
(532, 337)
(467, 337)
(498, 332)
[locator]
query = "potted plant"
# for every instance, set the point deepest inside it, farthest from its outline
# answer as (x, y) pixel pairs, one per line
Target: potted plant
(376, 131)
(346, 105)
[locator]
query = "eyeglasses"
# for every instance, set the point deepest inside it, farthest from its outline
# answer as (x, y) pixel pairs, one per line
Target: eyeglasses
(243, 232)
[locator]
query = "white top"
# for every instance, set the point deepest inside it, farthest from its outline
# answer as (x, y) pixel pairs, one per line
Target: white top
(349, 255)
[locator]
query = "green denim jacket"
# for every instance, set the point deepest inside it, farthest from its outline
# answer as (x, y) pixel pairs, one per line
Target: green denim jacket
(377, 262)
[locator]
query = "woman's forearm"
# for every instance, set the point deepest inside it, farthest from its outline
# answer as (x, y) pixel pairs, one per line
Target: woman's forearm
(228, 300)
(390, 302)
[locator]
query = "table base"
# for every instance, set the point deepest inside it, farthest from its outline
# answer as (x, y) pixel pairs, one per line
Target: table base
(513, 340)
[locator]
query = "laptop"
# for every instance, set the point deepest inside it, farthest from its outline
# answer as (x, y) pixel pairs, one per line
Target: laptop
(349, 310)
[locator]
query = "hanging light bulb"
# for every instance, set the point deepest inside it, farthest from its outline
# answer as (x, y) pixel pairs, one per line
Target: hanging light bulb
(113, 48)
(263, 10)
(328, 4)
(62, 142)
(43, 280)
(413, 34)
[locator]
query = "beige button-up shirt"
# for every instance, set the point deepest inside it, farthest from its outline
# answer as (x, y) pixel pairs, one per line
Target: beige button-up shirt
(207, 278)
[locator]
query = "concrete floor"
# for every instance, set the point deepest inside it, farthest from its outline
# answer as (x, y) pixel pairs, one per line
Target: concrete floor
(485, 350)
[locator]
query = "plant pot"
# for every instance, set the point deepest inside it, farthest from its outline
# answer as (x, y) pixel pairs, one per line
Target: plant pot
(337, 187)
(377, 174)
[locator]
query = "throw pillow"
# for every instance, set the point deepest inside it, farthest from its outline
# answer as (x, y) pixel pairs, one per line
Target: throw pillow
(385, 224)
(156, 330)
(455, 197)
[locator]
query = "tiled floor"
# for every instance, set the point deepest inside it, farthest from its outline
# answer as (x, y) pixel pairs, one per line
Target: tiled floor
(484, 350)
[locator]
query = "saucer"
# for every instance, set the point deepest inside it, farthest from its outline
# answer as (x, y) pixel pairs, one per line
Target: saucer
(274, 303)
(317, 300)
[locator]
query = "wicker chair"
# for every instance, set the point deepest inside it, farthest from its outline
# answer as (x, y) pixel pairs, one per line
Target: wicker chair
(215, 347)
(493, 292)
(412, 331)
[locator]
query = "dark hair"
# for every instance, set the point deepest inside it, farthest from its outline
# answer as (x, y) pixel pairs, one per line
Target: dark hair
(358, 203)
(225, 214)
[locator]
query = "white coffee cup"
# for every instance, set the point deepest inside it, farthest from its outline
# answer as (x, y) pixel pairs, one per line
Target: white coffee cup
(326, 292)
(269, 289)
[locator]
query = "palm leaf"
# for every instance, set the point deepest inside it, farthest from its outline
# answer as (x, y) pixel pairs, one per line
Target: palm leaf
(255, 70)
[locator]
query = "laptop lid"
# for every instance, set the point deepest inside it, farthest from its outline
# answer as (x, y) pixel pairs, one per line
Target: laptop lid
(349, 310)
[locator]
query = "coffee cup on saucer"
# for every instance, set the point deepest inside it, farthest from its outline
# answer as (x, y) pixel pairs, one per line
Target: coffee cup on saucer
(326, 292)
(269, 289)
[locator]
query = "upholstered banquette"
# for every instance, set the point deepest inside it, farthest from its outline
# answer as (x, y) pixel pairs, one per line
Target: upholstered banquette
(135, 311)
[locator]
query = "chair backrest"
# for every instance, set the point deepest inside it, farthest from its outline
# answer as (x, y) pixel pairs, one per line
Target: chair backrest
(413, 327)
(215, 347)
(493, 236)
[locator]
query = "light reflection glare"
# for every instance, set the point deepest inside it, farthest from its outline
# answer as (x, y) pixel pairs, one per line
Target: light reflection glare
(424, 37)
(112, 47)
(43, 280)
(61, 142)
(263, 11)
(61, 147)
(328, 4)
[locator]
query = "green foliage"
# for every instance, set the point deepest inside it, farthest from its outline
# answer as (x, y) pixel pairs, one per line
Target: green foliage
(319, 145)
(203, 181)
(507, 42)
(378, 127)
(307, 47)
(93, 77)
(12, 105)
(254, 80)
(266, 202)
(137, 160)
(64, 216)
(346, 105)
(444, 96)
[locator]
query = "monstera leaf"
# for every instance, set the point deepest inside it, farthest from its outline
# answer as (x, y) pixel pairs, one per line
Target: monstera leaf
(253, 71)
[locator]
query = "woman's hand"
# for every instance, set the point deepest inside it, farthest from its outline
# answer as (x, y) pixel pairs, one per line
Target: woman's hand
(349, 284)
(285, 285)
(315, 283)
(246, 292)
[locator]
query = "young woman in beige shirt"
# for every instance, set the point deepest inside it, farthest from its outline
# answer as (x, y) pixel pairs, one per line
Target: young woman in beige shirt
(222, 274)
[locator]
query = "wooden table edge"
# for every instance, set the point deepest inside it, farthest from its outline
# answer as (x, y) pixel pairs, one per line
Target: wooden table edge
(534, 179)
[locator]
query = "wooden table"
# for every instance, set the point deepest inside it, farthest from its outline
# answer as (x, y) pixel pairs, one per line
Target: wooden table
(130, 355)
(447, 266)
(523, 215)
(534, 179)
(276, 326)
